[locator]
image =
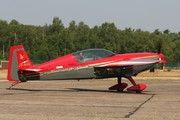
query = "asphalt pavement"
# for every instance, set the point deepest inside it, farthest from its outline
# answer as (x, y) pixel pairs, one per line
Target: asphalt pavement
(89, 100)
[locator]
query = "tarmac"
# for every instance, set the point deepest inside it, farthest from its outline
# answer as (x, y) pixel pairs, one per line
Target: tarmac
(89, 100)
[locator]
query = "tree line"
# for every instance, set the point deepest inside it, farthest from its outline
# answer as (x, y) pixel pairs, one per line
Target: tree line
(54, 40)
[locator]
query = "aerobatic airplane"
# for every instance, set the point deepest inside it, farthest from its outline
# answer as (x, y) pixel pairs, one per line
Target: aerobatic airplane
(84, 64)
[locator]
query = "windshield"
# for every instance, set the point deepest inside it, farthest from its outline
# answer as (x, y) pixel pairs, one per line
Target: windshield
(92, 54)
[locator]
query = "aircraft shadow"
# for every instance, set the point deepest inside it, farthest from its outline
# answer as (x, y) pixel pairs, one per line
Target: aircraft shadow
(108, 91)
(79, 90)
(38, 90)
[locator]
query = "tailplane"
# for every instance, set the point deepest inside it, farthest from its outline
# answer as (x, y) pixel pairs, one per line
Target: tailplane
(18, 60)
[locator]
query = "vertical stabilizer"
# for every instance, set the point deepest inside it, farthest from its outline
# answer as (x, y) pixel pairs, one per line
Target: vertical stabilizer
(18, 59)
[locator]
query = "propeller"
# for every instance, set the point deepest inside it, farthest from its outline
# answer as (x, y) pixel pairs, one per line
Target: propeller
(158, 52)
(159, 46)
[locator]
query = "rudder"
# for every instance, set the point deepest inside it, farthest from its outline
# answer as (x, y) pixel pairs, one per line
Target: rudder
(18, 59)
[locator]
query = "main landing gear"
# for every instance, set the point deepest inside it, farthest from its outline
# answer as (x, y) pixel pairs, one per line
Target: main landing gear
(121, 86)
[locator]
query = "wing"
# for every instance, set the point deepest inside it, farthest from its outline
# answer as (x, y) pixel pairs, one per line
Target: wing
(134, 62)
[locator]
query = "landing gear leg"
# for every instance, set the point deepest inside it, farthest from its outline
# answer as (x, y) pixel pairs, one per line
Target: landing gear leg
(120, 86)
(136, 87)
(119, 89)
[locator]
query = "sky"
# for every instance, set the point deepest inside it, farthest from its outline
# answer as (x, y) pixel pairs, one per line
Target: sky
(146, 15)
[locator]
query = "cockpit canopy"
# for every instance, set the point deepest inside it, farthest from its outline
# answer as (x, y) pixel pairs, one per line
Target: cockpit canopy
(92, 54)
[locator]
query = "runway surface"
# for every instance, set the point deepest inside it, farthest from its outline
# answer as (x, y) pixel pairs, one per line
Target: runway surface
(89, 100)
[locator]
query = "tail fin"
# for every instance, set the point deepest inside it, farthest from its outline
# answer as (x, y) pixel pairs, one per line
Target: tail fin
(18, 59)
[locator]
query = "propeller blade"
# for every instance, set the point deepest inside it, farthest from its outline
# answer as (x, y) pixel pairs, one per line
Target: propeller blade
(159, 47)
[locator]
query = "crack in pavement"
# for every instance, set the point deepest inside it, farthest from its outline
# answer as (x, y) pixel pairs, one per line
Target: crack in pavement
(133, 112)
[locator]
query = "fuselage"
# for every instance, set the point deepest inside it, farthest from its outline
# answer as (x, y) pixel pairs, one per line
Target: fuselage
(115, 65)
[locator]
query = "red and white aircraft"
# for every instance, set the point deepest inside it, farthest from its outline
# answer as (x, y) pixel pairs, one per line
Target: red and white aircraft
(84, 64)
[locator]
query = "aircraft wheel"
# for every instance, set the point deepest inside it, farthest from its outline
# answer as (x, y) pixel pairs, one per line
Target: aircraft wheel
(120, 89)
(9, 88)
(138, 91)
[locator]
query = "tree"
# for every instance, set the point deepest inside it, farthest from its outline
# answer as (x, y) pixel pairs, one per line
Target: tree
(51, 41)
(3, 39)
(167, 31)
(157, 32)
